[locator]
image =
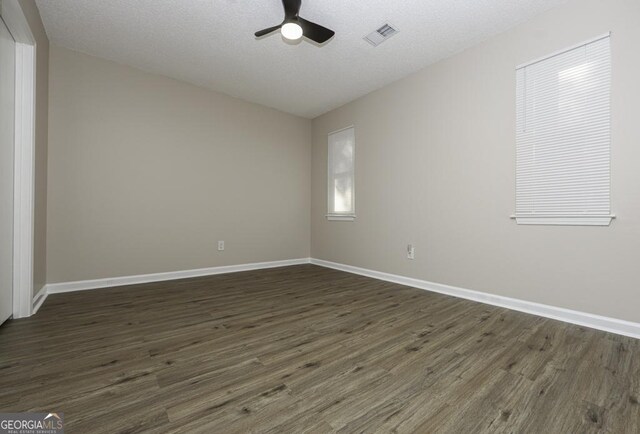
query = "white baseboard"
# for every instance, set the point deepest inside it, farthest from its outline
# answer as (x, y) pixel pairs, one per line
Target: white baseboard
(39, 299)
(55, 288)
(612, 325)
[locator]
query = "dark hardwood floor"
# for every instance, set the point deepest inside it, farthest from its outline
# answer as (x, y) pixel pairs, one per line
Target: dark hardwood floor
(307, 349)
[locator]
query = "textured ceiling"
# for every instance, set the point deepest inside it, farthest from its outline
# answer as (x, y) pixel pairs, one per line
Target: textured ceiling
(210, 42)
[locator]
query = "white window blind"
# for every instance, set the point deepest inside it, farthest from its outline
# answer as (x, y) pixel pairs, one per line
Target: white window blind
(341, 188)
(563, 137)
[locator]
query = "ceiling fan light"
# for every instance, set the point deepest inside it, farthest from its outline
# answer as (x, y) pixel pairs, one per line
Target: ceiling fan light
(291, 31)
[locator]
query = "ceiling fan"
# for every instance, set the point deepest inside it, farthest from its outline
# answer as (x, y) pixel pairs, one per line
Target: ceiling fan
(294, 27)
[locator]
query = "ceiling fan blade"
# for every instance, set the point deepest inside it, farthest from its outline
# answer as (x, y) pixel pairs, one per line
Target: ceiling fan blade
(315, 32)
(291, 8)
(267, 31)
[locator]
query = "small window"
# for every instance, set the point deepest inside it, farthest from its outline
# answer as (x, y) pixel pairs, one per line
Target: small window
(563, 137)
(341, 179)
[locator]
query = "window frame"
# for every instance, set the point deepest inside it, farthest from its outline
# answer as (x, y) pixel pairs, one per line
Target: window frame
(572, 219)
(341, 216)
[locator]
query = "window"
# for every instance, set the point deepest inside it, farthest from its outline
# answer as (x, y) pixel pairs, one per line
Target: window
(563, 137)
(341, 179)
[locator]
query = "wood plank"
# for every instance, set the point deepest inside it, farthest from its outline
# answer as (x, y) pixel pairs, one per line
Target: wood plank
(308, 349)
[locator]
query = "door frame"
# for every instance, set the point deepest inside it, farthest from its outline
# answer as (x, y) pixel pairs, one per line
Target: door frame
(24, 154)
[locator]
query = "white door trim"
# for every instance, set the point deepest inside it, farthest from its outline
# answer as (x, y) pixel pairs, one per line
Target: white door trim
(24, 169)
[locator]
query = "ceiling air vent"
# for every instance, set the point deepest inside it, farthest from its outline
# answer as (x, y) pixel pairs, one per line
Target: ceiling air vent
(382, 34)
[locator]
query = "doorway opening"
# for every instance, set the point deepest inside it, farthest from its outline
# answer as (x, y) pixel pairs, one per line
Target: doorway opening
(21, 201)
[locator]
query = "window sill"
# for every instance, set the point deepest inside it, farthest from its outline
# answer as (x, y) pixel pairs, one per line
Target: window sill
(341, 217)
(578, 220)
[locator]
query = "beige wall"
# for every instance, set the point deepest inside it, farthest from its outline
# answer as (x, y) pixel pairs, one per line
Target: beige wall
(435, 156)
(146, 174)
(42, 116)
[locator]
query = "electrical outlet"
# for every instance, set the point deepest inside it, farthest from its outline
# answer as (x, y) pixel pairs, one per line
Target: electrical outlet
(220, 246)
(411, 251)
